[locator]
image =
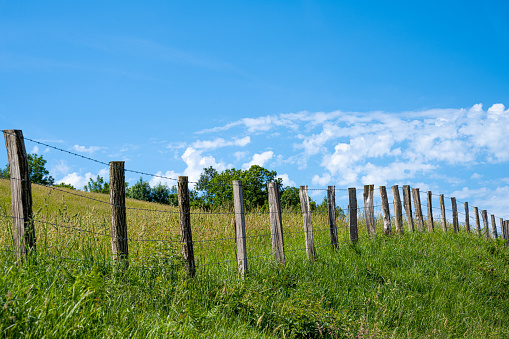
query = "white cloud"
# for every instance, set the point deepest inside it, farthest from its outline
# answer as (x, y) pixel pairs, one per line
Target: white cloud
(240, 155)
(61, 168)
(220, 142)
(476, 176)
(286, 180)
(259, 159)
(196, 162)
(35, 150)
(495, 200)
(169, 175)
(76, 180)
(90, 150)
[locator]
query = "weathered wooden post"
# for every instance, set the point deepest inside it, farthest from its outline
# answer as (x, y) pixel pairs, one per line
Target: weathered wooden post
(308, 224)
(186, 237)
(21, 195)
(485, 221)
(385, 210)
(352, 215)
(506, 223)
(119, 241)
(407, 201)
(418, 210)
(240, 226)
(455, 224)
(477, 222)
(442, 210)
(331, 213)
(494, 231)
(369, 212)
(502, 228)
(467, 218)
(398, 211)
(276, 222)
(431, 227)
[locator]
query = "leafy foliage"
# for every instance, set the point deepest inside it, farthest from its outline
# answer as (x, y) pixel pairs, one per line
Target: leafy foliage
(141, 191)
(97, 186)
(37, 170)
(64, 185)
(217, 189)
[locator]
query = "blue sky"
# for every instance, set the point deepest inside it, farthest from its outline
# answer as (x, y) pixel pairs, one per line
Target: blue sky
(339, 93)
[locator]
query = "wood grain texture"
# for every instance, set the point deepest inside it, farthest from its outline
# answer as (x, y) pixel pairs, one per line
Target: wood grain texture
(308, 224)
(407, 202)
(23, 231)
(494, 231)
(485, 221)
(398, 210)
(442, 211)
(419, 219)
(276, 222)
(331, 214)
(467, 218)
(455, 223)
(186, 237)
(386, 212)
(369, 211)
(240, 226)
(477, 221)
(119, 242)
(352, 215)
(431, 227)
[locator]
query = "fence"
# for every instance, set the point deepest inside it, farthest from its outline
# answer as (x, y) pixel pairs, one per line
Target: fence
(24, 223)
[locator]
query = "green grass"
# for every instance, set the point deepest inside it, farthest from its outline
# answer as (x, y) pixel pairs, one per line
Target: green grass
(417, 285)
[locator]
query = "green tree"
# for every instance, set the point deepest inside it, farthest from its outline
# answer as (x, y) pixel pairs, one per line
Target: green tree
(173, 199)
(141, 190)
(64, 185)
(97, 186)
(203, 184)
(160, 193)
(4, 174)
(37, 170)
(216, 188)
(290, 198)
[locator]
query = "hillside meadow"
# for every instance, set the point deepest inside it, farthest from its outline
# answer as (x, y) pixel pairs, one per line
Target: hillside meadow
(419, 285)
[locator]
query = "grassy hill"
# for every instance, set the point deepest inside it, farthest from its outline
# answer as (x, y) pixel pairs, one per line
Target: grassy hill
(412, 286)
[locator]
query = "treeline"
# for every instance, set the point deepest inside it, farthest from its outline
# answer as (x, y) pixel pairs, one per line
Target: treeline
(212, 191)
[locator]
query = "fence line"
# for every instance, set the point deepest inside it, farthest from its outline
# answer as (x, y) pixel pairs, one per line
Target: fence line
(120, 240)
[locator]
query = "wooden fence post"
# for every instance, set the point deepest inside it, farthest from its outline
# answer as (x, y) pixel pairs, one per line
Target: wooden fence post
(21, 195)
(484, 215)
(385, 210)
(418, 210)
(240, 226)
(276, 222)
(398, 211)
(494, 231)
(477, 222)
(431, 227)
(352, 215)
(308, 224)
(502, 228)
(506, 223)
(442, 209)
(369, 212)
(186, 237)
(467, 218)
(119, 241)
(331, 213)
(407, 201)
(455, 224)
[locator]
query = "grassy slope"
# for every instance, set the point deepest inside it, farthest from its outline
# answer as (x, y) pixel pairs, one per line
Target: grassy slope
(417, 285)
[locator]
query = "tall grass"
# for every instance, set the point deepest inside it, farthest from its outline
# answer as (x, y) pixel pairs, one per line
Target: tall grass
(417, 285)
